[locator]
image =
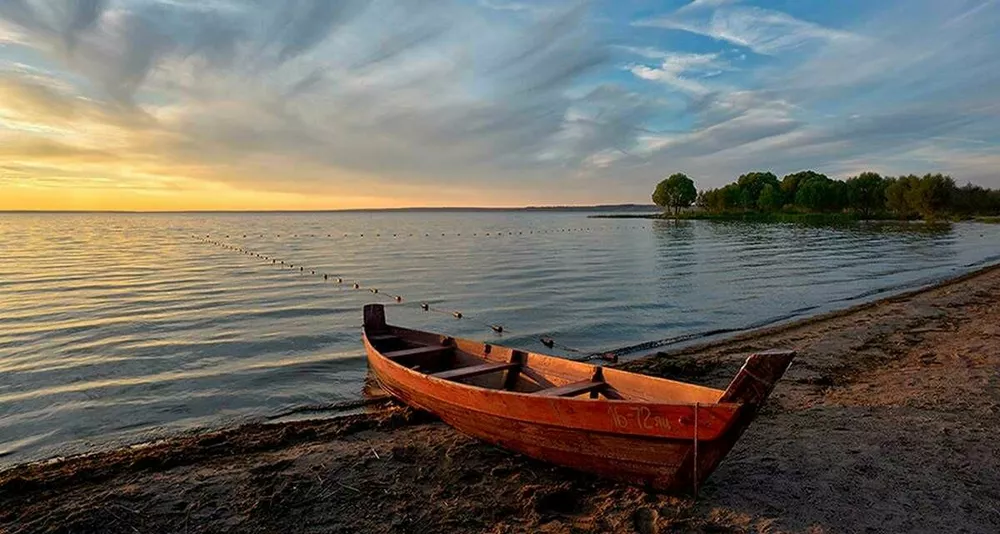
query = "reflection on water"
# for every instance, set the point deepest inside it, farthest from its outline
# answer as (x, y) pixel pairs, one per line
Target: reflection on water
(123, 327)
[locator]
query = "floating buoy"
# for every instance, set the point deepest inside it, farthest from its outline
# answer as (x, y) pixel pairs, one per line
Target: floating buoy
(324, 277)
(399, 298)
(547, 341)
(357, 285)
(374, 290)
(424, 306)
(458, 315)
(497, 328)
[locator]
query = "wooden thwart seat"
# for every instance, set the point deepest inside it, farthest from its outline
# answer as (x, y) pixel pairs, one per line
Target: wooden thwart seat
(475, 370)
(574, 389)
(382, 337)
(418, 351)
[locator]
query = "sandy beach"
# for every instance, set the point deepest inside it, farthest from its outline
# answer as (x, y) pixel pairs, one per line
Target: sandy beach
(886, 422)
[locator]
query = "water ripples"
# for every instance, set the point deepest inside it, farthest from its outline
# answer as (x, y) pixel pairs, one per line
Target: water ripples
(119, 327)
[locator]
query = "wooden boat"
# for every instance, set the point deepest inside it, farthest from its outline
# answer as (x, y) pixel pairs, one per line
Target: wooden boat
(664, 434)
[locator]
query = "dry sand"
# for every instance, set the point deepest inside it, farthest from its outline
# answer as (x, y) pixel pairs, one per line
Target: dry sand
(886, 422)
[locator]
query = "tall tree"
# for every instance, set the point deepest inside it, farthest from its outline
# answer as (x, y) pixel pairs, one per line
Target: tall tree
(819, 193)
(675, 192)
(770, 198)
(752, 184)
(931, 195)
(866, 193)
(791, 182)
(897, 194)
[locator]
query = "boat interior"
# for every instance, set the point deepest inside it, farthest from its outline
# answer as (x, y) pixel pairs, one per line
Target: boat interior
(503, 368)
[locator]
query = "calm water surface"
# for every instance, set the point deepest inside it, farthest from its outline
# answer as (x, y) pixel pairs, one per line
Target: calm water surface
(119, 328)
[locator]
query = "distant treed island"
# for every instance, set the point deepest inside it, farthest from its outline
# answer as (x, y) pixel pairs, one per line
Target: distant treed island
(811, 195)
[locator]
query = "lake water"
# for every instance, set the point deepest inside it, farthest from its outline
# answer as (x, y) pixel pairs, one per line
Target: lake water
(124, 327)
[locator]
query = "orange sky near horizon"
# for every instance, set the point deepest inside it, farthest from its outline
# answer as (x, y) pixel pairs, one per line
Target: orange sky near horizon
(60, 152)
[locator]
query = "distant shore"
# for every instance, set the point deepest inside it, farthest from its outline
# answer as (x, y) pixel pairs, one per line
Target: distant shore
(885, 422)
(778, 217)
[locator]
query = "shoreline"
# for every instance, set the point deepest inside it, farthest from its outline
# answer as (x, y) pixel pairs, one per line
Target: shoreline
(781, 217)
(891, 406)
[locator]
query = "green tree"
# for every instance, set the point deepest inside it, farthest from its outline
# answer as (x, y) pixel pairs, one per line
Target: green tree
(975, 200)
(866, 193)
(896, 194)
(819, 193)
(770, 198)
(752, 184)
(791, 182)
(732, 196)
(931, 195)
(676, 192)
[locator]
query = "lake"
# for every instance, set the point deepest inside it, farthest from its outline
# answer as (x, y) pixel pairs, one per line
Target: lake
(117, 328)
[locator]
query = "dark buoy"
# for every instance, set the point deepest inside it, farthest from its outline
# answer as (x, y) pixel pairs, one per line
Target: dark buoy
(458, 315)
(399, 298)
(497, 328)
(324, 277)
(548, 342)
(357, 285)
(424, 306)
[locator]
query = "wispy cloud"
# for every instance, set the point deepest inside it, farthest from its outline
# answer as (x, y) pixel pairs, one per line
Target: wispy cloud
(682, 71)
(763, 31)
(487, 102)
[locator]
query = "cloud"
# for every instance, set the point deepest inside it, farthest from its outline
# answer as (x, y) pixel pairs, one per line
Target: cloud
(763, 31)
(675, 71)
(394, 92)
(500, 102)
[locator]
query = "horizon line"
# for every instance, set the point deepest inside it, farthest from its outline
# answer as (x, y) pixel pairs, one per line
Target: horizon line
(566, 207)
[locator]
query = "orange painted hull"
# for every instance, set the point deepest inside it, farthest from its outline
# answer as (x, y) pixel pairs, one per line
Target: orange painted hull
(667, 444)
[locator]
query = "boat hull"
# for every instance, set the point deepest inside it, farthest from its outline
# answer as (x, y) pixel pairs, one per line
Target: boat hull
(663, 446)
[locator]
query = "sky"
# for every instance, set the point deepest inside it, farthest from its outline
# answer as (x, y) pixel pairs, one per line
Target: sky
(317, 104)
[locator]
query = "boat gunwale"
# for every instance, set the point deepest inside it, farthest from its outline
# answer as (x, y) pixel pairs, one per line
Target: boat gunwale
(733, 406)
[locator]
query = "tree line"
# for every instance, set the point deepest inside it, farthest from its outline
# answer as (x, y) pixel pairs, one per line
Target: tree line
(868, 195)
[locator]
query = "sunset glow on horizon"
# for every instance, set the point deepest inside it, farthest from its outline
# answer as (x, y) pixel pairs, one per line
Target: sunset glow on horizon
(168, 105)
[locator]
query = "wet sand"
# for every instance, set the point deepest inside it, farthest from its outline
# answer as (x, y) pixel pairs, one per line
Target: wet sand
(886, 422)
